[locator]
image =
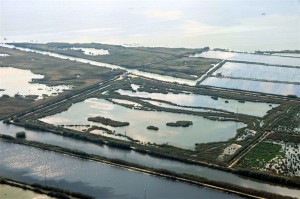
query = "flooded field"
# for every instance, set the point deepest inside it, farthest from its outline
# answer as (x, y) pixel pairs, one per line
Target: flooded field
(92, 51)
(256, 86)
(261, 72)
(247, 57)
(249, 108)
(126, 102)
(15, 81)
(201, 131)
(103, 181)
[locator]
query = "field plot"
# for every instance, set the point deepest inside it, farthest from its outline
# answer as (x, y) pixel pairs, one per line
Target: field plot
(192, 100)
(201, 131)
(247, 57)
(275, 155)
(256, 86)
(259, 72)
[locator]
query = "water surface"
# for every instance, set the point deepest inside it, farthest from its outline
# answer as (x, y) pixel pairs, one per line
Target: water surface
(256, 86)
(149, 161)
(202, 130)
(266, 59)
(112, 66)
(33, 165)
(248, 108)
(236, 25)
(19, 81)
(261, 72)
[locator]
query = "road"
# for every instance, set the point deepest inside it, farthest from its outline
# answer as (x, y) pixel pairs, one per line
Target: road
(56, 104)
(250, 147)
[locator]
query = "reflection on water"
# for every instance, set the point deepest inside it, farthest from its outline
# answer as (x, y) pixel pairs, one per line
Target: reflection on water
(149, 161)
(92, 51)
(262, 72)
(18, 81)
(201, 131)
(266, 59)
(9, 192)
(103, 181)
(256, 86)
(248, 108)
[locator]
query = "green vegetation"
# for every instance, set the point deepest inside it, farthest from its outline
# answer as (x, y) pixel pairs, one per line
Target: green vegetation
(21, 135)
(107, 121)
(285, 137)
(260, 155)
(289, 120)
(56, 71)
(152, 128)
(284, 118)
(166, 61)
(211, 151)
(180, 123)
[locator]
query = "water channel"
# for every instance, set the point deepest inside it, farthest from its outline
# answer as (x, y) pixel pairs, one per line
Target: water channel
(134, 157)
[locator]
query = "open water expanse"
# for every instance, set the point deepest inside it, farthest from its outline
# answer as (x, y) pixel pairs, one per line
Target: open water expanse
(202, 130)
(134, 157)
(103, 181)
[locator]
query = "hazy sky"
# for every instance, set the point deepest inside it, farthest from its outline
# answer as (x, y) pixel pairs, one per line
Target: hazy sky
(235, 24)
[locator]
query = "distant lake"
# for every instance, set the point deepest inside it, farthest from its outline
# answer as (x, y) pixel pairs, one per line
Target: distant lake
(237, 25)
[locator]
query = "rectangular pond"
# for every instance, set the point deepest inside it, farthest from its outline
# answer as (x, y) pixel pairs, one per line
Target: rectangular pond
(261, 72)
(248, 57)
(256, 86)
(202, 130)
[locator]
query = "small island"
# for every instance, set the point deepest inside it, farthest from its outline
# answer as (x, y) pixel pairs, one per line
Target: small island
(21, 135)
(152, 128)
(182, 123)
(107, 121)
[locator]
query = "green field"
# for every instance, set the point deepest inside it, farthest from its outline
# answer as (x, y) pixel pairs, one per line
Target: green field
(166, 61)
(260, 155)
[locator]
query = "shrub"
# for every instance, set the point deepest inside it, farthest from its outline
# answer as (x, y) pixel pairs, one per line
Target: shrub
(21, 134)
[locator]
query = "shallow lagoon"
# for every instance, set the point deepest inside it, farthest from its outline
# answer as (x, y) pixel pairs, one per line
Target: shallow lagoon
(202, 130)
(18, 81)
(249, 108)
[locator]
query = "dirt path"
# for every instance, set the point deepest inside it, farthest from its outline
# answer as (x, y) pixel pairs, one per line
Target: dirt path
(250, 147)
